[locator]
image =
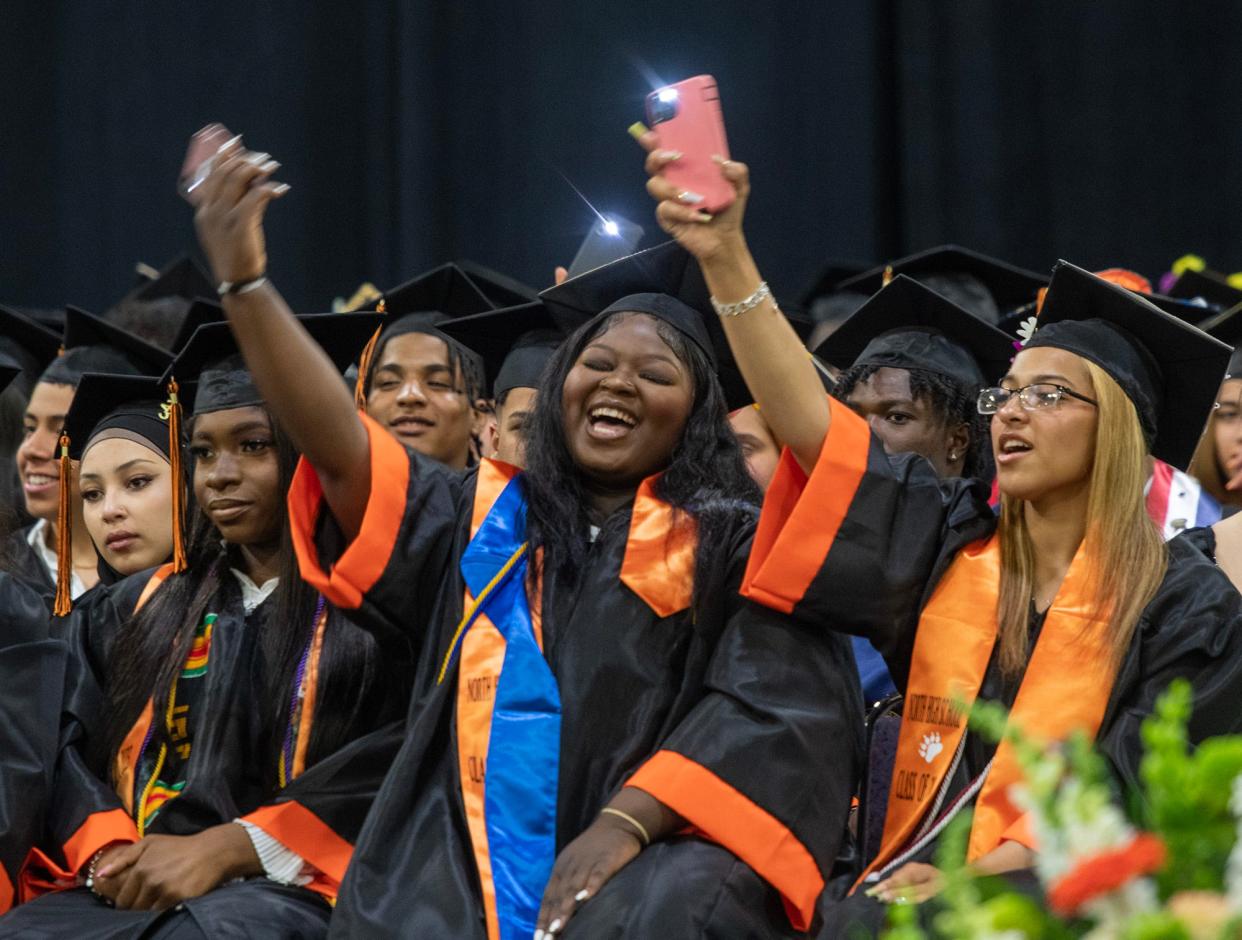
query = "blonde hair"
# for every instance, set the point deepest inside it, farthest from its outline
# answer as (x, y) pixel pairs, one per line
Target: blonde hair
(1129, 555)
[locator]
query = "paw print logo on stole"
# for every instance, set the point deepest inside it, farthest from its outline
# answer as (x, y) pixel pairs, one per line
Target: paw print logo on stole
(931, 746)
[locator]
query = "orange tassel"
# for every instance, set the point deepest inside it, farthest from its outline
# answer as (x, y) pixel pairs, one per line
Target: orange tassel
(178, 491)
(64, 535)
(364, 362)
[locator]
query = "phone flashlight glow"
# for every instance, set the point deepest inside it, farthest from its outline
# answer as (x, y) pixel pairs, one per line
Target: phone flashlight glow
(667, 94)
(611, 228)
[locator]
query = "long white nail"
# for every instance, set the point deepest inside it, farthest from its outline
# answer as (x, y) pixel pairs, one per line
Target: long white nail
(229, 144)
(538, 935)
(582, 895)
(270, 167)
(280, 189)
(258, 159)
(555, 926)
(690, 196)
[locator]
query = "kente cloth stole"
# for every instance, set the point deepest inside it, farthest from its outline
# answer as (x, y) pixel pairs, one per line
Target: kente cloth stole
(1066, 687)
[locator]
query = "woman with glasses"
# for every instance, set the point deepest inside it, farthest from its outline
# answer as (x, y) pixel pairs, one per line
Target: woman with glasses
(1217, 463)
(1069, 608)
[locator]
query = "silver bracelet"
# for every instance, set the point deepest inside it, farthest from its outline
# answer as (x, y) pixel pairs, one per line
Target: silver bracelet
(761, 294)
(244, 287)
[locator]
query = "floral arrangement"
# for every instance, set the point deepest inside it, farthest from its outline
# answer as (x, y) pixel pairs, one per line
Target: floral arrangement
(1166, 866)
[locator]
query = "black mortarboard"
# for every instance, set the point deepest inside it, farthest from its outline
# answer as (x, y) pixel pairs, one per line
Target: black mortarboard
(128, 403)
(665, 282)
(181, 277)
(907, 325)
(1227, 327)
(213, 376)
(1170, 370)
(515, 343)
(446, 290)
(1210, 286)
(9, 370)
(987, 287)
(500, 289)
(1192, 310)
(31, 345)
(201, 311)
(831, 275)
(92, 344)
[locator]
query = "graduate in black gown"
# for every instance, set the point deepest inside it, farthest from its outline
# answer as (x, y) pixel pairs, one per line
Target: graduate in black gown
(90, 345)
(234, 727)
(606, 740)
(1069, 608)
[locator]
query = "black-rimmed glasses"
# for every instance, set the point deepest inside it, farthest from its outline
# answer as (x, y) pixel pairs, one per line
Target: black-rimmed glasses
(1031, 397)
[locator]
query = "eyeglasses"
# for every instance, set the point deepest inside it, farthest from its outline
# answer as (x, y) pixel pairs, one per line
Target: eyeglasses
(1031, 397)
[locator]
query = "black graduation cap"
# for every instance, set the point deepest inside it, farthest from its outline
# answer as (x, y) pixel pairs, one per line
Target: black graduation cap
(1210, 286)
(500, 289)
(1192, 310)
(1169, 369)
(9, 370)
(515, 343)
(959, 273)
(1227, 327)
(181, 278)
(92, 344)
(201, 311)
(907, 325)
(132, 403)
(446, 292)
(213, 376)
(31, 345)
(831, 276)
(665, 282)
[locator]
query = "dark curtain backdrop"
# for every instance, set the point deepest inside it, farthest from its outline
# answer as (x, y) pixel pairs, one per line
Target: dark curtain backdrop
(413, 132)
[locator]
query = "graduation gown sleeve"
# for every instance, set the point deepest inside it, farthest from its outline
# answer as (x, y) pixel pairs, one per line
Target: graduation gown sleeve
(388, 577)
(765, 764)
(319, 814)
(855, 545)
(1191, 629)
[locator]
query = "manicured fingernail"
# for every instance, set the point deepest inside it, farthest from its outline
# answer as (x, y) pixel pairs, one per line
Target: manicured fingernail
(280, 189)
(670, 155)
(582, 895)
(636, 130)
(555, 926)
(702, 217)
(258, 159)
(270, 167)
(690, 196)
(230, 143)
(538, 935)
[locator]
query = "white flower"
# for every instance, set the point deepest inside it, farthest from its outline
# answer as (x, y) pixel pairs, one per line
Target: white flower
(1026, 329)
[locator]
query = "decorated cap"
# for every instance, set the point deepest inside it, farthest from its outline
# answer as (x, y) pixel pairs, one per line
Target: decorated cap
(130, 406)
(1170, 370)
(909, 326)
(1211, 287)
(92, 344)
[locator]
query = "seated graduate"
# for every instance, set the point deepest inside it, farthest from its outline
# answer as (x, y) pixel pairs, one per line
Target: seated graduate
(589, 683)
(90, 345)
(120, 440)
(236, 726)
(1217, 464)
(516, 344)
(1069, 609)
(418, 383)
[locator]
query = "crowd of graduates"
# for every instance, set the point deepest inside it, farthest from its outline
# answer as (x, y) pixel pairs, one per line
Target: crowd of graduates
(471, 610)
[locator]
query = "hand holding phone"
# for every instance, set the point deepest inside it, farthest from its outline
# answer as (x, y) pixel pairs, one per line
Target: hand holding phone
(199, 157)
(688, 119)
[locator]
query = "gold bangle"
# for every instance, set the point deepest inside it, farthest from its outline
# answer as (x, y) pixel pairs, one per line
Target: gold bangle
(642, 830)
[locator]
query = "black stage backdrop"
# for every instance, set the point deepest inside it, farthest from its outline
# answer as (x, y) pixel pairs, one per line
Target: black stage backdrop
(413, 133)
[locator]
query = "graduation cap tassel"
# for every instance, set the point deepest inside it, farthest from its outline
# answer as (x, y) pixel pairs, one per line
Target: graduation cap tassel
(178, 491)
(63, 603)
(364, 361)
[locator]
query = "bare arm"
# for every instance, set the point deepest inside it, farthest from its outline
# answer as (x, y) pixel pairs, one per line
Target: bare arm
(294, 375)
(772, 359)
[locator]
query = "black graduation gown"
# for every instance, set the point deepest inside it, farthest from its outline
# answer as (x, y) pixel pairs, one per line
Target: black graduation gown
(23, 562)
(317, 815)
(765, 712)
(899, 527)
(32, 666)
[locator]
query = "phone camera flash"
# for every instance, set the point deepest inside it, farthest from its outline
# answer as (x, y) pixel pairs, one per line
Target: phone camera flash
(611, 228)
(667, 95)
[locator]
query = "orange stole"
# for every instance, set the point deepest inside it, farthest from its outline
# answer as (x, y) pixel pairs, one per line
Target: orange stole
(1066, 687)
(658, 567)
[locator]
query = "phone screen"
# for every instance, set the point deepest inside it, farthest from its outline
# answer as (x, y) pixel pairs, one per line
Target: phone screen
(610, 239)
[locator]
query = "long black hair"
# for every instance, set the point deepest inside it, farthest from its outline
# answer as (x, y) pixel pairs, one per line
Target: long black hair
(953, 400)
(706, 476)
(150, 649)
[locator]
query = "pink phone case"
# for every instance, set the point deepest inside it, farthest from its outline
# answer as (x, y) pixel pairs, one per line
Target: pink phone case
(687, 118)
